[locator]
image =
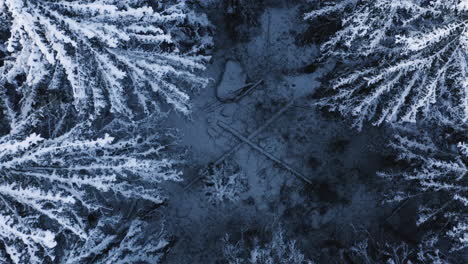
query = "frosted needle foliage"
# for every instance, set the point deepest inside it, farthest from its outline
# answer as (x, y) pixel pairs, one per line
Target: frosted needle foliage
(125, 56)
(437, 170)
(411, 58)
(48, 187)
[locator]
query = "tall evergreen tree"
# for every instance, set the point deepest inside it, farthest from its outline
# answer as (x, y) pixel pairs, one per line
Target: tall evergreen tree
(410, 59)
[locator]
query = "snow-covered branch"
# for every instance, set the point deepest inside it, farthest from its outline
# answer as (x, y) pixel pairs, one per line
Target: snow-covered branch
(279, 249)
(111, 55)
(49, 185)
(411, 56)
(134, 242)
(438, 168)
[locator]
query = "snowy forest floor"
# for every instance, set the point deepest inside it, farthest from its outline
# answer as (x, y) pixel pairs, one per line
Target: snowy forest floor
(341, 162)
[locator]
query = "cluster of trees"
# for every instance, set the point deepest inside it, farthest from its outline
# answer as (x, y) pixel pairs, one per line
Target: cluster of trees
(83, 85)
(76, 75)
(278, 249)
(273, 245)
(409, 71)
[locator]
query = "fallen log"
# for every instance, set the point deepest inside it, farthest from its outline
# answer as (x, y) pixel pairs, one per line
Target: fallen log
(259, 149)
(250, 137)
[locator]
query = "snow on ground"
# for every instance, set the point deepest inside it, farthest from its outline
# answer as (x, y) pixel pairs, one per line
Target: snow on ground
(340, 162)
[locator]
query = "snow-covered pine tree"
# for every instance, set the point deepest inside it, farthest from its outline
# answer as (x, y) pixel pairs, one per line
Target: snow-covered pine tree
(126, 242)
(48, 187)
(278, 249)
(437, 171)
(225, 182)
(410, 59)
(112, 55)
(374, 248)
